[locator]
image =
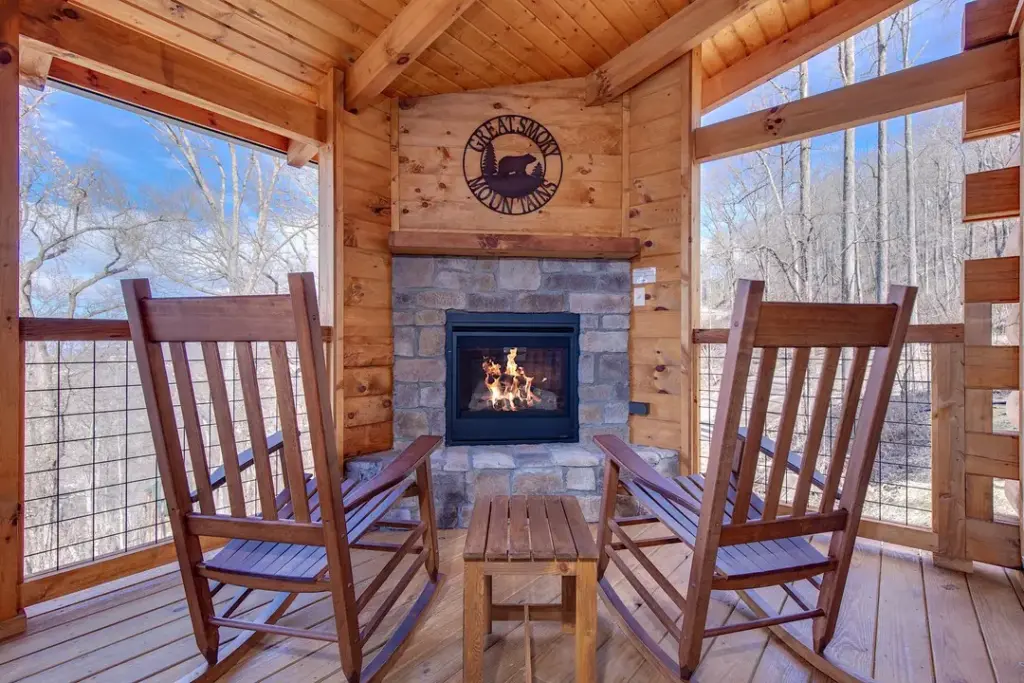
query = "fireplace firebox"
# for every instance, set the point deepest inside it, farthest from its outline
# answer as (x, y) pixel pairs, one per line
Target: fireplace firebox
(512, 378)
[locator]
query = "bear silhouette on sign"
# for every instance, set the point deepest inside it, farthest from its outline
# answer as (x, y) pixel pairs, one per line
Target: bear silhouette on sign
(513, 166)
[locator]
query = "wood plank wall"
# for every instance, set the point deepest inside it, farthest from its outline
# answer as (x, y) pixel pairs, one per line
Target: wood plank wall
(433, 132)
(368, 346)
(660, 113)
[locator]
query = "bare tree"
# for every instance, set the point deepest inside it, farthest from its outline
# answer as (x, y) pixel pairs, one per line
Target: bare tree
(848, 71)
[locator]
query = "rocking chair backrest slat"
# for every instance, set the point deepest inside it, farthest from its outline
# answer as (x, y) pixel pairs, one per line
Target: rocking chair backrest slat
(755, 430)
(237, 324)
(816, 428)
(845, 431)
(787, 424)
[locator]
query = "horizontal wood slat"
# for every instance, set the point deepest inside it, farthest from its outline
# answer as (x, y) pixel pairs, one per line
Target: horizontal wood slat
(951, 333)
(993, 542)
(77, 329)
(938, 83)
(991, 367)
(524, 246)
(990, 195)
(992, 110)
(992, 280)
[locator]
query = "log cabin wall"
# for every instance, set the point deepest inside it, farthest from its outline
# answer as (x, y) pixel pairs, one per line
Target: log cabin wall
(433, 193)
(368, 347)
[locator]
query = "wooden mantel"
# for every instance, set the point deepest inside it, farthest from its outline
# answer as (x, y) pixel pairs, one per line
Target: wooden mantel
(415, 243)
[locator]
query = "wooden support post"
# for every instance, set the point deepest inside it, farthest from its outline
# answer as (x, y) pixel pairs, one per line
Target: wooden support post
(691, 80)
(332, 242)
(12, 470)
(949, 475)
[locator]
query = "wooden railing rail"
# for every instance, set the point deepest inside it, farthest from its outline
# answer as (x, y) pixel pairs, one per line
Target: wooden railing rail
(77, 329)
(950, 333)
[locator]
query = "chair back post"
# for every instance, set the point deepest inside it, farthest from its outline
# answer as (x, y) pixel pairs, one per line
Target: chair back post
(739, 350)
(866, 441)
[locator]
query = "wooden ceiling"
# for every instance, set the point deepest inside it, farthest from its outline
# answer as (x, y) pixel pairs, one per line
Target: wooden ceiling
(289, 44)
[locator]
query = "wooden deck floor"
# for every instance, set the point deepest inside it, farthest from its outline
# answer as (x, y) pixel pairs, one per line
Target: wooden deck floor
(903, 620)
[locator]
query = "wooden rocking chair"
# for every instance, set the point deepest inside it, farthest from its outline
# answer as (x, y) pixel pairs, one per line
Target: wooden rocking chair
(302, 537)
(740, 541)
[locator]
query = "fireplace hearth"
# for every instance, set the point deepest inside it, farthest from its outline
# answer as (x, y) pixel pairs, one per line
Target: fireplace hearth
(512, 378)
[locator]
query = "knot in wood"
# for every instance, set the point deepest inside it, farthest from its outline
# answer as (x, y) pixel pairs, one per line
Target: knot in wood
(6, 55)
(402, 60)
(69, 13)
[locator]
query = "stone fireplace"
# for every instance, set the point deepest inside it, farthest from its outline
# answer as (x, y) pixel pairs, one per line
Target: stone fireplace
(430, 293)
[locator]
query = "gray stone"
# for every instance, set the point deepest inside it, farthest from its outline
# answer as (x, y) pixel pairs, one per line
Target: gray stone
(533, 460)
(399, 318)
(449, 497)
(616, 412)
(363, 468)
(586, 368)
(613, 367)
(613, 282)
(599, 303)
(605, 341)
(538, 481)
(595, 392)
(580, 479)
(575, 456)
(489, 483)
(569, 282)
(591, 413)
(469, 282)
(410, 424)
(463, 264)
(591, 507)
(405, 341)
(590, 321)
(419, 369)
(493, 461)
(587, 433)
(431, 342)
(540, 303)
(483, 303)
(403, 301)
(456, 459)
(518, 274)
(430, 318)
(571, 266)
(615, 322)
(441, 299)
(432, 396)
(406, 395)
(412, 271)
(617, 267)
(435, 421)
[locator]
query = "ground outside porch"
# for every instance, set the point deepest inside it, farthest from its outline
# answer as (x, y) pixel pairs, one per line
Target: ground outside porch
(461, 473)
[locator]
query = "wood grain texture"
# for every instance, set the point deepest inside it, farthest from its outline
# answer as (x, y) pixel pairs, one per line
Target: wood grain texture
(987, 21)
(991, 195)
(512, 245)
(992, 110)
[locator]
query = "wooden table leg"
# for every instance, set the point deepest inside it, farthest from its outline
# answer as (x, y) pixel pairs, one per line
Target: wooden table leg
(586, 621)
(474, 613)
(488, 602)
(568, 604)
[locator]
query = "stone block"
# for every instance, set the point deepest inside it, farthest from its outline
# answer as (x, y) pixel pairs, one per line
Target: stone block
(613, 282)
(591, 507)
(605, 341)
(404, 301)
(541, 481)
(615, 322)
(591, 413)
(616, 412)
(590, 321)
(586, 368)
(595, 392)
(456, 459)
(440, 299)
(521, 274)
(449, 497)
(491, 460)
(489, 483)
(435, 421)
(405, 341)
(410, 424)
(431, 342)
(621, 267)
(452, 263)
(400, 318)
(587, 433)
(540, 303)
(572, 455)
(425, 318)
(571, 266)
(599, 302)
(419, 369)
(467, 282)
(613, 368)
(406, 395)
(412, 271)
(569, 282)
(483, 303)
(580, 479)
(432, 396)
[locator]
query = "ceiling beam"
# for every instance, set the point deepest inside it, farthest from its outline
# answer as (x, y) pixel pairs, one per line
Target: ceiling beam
(87, 39)
(987, 21)
(34, 68)
(820, 33)
(903, 92)
(415, 28)
(681, 33)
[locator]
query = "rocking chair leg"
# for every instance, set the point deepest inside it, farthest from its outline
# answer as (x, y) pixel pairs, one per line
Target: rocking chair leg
(611, 486)
(424, 482)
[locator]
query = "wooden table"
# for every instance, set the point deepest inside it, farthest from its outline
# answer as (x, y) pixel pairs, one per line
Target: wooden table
(530, 535)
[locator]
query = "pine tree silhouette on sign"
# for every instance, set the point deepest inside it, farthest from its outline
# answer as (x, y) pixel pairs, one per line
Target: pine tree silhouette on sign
(538, 170)
(489, 162)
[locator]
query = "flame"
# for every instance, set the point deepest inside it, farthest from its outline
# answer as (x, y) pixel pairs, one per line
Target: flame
(510, 388)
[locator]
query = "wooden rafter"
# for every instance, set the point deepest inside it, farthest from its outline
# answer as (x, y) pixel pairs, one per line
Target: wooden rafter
(820, 33)
(684, 31)
(34, 68)
(415, 28)
(87, 39)
(921, 87)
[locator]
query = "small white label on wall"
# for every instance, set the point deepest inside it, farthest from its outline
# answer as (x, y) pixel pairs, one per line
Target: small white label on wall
(645, 276)
(639, 296)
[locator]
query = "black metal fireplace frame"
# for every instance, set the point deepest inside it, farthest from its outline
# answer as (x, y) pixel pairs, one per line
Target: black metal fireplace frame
(511, 428)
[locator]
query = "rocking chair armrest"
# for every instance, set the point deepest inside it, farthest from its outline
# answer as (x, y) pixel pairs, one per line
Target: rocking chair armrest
(218, 477)
(625, 457)
(397, 470)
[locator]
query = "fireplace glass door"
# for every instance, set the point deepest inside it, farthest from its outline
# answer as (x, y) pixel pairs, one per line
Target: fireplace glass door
(512, 378)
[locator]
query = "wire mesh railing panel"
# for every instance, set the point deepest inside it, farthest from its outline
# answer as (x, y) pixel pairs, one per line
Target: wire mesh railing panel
(92, 486)
(900, 488)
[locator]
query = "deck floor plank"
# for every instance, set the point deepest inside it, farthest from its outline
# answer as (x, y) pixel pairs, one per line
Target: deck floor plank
(903, 620)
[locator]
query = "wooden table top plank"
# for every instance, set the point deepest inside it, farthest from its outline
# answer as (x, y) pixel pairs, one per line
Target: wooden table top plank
(540, 534)
(586, 548)
(476, 535)
(497, 532)
(519, 533)
(561, 537)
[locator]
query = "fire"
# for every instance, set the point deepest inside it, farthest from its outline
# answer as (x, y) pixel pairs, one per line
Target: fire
(510, 388)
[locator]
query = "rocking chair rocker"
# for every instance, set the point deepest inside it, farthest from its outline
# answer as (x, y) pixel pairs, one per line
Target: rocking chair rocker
(307, 523)
(743, 542)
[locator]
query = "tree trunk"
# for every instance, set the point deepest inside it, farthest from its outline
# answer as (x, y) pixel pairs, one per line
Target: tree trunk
(848, 240)
(906, 21)
(805, 196)
(882, 248)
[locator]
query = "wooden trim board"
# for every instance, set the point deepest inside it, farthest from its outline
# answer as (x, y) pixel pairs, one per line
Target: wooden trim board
(415, 242)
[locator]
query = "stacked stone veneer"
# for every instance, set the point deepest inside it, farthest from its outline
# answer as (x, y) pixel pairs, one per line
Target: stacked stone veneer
(424, 289)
